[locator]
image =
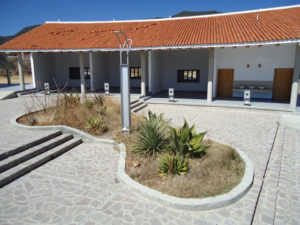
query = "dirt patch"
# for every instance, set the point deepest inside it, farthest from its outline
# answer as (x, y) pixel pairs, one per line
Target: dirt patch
(98, 119)
(220, 170)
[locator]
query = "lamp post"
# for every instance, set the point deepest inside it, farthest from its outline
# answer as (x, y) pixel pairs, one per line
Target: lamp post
(124, 78)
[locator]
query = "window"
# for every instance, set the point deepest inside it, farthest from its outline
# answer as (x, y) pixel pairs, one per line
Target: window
(135, 72)
(188, 75)
(75, 73)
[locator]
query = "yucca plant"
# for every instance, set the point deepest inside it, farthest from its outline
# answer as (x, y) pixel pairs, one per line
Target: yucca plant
(152, 135)
(89, 104)
(186, 142)
(96, 125)
(101, 110)
(99, 99)
(171, 164)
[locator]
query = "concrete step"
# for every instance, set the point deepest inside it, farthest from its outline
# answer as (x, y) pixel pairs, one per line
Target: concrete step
(136, 105)
(146, 98)
(27, 92)
(140, 107)
(7, 95)
(29, 145)
(134, 101)
(32, 152)
(20, 170)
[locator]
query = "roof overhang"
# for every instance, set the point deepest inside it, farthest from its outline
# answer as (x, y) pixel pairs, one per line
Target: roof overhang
(156, 48)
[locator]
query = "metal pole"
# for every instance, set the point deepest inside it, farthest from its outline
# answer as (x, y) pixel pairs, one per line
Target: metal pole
(125, 84)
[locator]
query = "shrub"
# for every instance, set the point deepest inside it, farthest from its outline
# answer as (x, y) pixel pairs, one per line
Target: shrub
(71, 100)
(172, 165)
(99, 99)
(88, 104)
(186, 142)
(152, 135)
(101, 110)
(96, 125)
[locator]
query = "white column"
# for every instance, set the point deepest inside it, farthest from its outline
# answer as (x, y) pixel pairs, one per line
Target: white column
(92, 71)
(150, 71)
(82, 79)
(215, 73)
(32, 69)
(21, 71)
(294, 91)
(211, 57)
(143, 78)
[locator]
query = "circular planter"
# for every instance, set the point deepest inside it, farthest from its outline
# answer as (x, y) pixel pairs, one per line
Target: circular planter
(196, 204)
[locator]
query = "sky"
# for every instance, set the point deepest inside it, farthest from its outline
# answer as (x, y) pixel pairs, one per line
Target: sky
(14, 15)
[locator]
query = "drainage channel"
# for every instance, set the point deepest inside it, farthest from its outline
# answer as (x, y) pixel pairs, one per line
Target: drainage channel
(263, 179)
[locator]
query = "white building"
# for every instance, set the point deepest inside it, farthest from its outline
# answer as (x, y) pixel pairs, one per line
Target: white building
(213, 56)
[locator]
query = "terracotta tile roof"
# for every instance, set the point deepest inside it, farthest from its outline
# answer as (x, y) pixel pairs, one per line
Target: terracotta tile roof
(259, 26)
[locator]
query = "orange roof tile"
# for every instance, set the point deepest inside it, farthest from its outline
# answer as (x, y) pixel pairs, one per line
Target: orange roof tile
(246, 27)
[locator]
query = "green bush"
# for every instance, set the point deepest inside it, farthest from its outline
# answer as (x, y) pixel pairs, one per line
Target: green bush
(101, 110)
(89, 104)
(99, 99)
(152, 135)
(71, 100)
(96, 125)
(171, 164)
(186, 142)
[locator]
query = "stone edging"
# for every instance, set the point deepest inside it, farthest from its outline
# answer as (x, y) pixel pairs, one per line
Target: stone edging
(65, 129)
(188, 203)
(180, 203)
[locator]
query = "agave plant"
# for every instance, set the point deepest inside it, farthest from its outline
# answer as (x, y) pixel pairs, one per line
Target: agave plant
(99, 99)
(171, 164)
(96, 125)
(152, 135)
(187, 142)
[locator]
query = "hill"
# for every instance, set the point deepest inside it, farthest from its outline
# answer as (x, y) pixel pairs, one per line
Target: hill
(4, 39)
(195, 13)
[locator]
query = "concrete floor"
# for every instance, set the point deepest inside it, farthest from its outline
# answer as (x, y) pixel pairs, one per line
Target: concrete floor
(14, 87)
(199, 98)
(79, 187)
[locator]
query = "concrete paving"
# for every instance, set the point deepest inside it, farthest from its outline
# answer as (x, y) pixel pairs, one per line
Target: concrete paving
(79, 187)
(14, 87)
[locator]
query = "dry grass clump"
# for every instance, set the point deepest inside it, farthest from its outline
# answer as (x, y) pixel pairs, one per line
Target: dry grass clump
(98, 115)
(217, 172)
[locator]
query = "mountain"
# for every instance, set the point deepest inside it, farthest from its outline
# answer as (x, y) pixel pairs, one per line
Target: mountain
(4, 39)
(195, 13)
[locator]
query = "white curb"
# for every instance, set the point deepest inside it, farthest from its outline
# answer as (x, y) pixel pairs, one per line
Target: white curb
(65, 129)
(189, 203)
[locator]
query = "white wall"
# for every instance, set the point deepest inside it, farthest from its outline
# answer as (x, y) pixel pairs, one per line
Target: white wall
(63, 61)
(43, 66)
(114, 68)
(185, 59)
(99, 69)
(270, 57)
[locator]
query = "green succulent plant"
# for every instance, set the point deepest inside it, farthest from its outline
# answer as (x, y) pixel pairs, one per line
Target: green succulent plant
(152, 135)
(89, 104)
(187, 142)
(99, 99)
(101, 110)
(96, 124)
(171, 164)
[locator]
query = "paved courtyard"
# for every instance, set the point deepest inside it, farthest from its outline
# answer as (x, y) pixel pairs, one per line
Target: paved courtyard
(80, 186)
